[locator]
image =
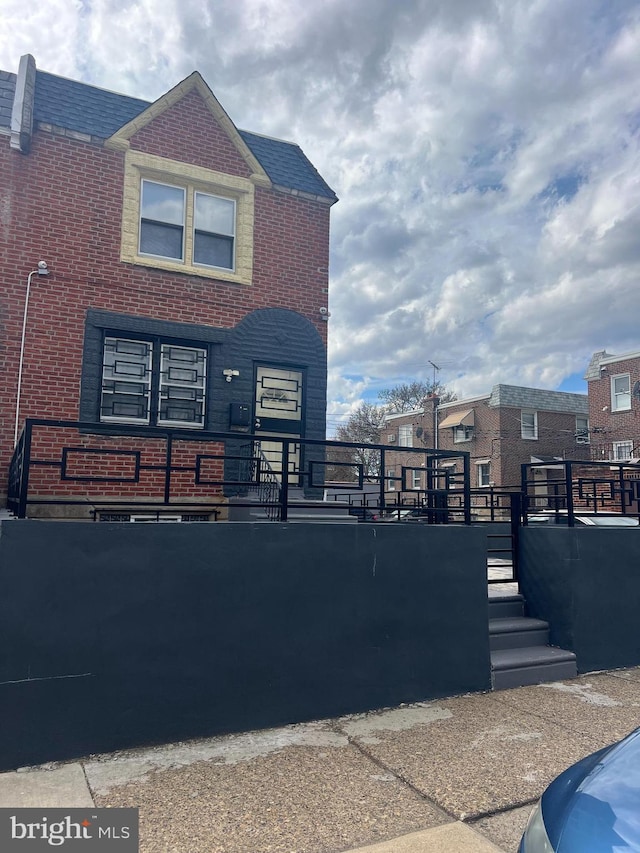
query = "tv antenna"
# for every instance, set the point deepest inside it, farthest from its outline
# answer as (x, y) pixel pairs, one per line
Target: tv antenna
(435, 367)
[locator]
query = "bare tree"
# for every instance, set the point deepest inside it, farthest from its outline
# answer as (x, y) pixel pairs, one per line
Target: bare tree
(409, 395)
(363, 427)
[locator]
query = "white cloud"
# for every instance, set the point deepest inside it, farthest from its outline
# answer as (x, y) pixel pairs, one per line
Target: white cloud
(485, 153)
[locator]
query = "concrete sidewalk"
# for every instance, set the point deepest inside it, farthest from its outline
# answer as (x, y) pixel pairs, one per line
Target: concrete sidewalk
(458, 774)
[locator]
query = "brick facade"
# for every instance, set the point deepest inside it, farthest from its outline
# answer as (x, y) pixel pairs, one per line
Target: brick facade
(494, 434)
(614, 422)
(62, 201)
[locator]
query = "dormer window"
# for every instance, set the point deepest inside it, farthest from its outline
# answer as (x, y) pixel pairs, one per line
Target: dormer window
(162, 220)
(183, 218)
(163, 210)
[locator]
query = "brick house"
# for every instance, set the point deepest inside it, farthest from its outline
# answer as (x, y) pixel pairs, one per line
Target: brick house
(183, 284)
(502, 430)
(613, 383)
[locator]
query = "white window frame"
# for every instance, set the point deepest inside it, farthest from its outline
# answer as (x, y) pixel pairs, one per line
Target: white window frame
(618, 447)
(191, 179)
(462, 433)
(582, 430)
(533, 427)
(231, 236)
(166, 223)
(621, 400)
(391, 483)
(187, 256)
(157, 382)
(405, 435)
(480, 465)
(416, 479)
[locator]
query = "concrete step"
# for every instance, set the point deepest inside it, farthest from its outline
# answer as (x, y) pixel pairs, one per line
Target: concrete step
(531, 665)
(516, 632)
(503, 606)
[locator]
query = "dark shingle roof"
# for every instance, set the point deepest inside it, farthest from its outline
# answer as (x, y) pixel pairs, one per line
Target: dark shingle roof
(85, 109)
(98, 112)
(7, 91)
(286, 164)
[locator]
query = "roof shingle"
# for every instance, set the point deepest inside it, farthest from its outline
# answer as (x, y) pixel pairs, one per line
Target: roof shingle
(97, 112)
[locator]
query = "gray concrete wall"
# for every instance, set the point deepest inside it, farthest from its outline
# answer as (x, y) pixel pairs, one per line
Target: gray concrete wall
(114, 635)
(586, 583)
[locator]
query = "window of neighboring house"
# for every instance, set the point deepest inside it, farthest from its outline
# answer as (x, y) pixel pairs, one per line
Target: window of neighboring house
(582, 429)
(462, 433)
(528, 424)
(416, 478)
(620, 393)
(622, 451)
(185, 218)
(483, 470)
(405, 435)
(391, 483)
(153, 382)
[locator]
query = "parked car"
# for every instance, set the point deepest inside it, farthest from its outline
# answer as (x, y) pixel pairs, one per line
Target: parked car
(561, 516)
(405, 515)
(593, 807)
(363, 513)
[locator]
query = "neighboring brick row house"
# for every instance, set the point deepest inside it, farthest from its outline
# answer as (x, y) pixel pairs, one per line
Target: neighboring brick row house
(502, 430)
(614, 406)
(183, 283)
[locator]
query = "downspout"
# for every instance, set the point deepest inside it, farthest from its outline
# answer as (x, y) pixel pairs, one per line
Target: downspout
(42, 269)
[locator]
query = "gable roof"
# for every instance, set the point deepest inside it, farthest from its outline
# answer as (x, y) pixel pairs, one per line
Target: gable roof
(99, 113)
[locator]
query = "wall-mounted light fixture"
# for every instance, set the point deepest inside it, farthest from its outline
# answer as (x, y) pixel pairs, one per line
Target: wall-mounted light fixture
(324, 313)
(42, 269)
(229, 373)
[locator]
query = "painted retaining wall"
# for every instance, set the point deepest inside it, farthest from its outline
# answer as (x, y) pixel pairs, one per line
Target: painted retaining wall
(116, 635)
(586, 583)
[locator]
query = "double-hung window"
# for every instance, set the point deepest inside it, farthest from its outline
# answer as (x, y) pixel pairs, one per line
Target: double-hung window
(162, 216)
(528, 424)
(183, 218)
(622, 451)
(164, 211)
(153, 382)
(461, 433)
(214, 224)
(582, 429)
(483, 474)
(405, 435)
(621, 393)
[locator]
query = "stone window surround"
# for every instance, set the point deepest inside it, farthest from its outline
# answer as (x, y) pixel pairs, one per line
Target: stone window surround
(140, 166)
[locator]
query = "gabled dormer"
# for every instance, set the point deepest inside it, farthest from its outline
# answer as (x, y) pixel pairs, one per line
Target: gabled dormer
(189, 187)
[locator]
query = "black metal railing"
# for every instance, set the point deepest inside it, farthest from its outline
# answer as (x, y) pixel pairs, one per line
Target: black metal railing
(570, 488)
(70, 463)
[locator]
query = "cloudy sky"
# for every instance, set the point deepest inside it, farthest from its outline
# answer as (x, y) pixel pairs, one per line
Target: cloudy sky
(485, 152)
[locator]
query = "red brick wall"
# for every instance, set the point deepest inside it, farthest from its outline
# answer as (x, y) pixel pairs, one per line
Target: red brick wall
(63, 203)
(607, 426)
(497, 438)
(187, 132)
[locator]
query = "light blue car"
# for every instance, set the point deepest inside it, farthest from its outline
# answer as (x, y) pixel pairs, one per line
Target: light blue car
(593, 807)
